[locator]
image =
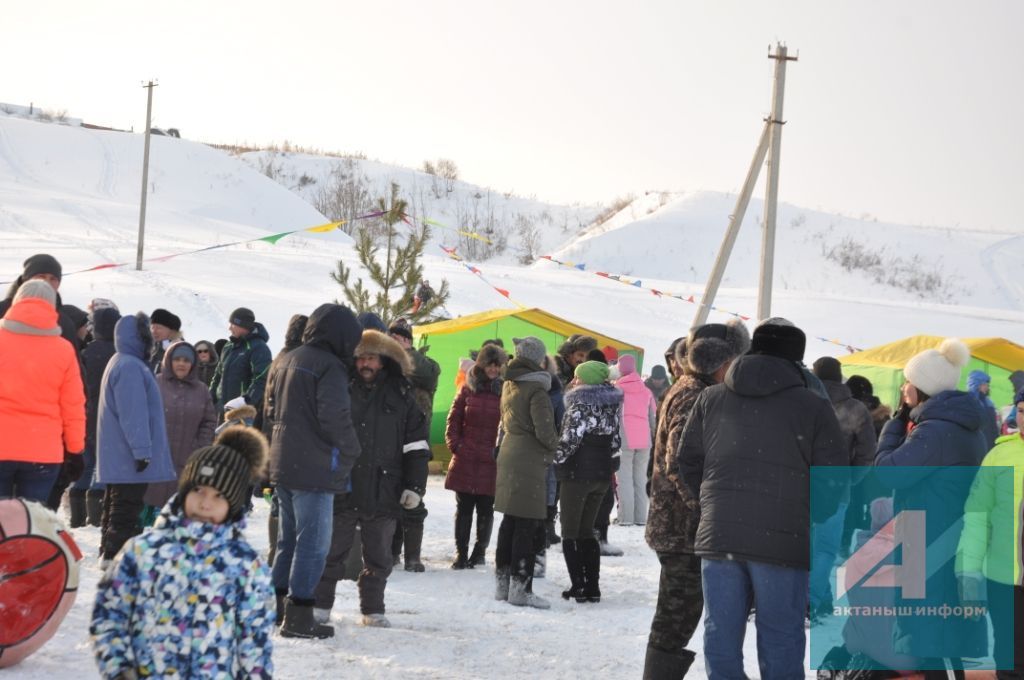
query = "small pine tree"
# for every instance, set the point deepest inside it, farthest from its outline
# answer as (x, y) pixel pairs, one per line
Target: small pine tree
(396, 274)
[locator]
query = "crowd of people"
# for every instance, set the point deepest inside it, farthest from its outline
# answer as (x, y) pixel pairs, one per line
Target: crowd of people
(163, 443)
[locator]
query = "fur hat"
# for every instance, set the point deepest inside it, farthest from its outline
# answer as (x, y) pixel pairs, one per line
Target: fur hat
(491, 354)
(711, 345)
(676, 352)
(627, 364)
(165, 318)
(243, 317)
(592, 372)
(41, 264)
(938, 370)
(384, 346)
(402, 330)
(828, 368)
(860, 387)
(530, 348)
(237, 457)
(577, 343)
(785, 342)
(36, 288)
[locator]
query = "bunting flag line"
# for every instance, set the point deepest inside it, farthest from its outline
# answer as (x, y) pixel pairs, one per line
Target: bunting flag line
(452, 254)
(470, 234)
(271, 239)
(637, 283)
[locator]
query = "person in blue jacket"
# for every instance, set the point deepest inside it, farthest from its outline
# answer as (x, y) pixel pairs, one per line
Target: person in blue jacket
(928, 455)
(131, 435)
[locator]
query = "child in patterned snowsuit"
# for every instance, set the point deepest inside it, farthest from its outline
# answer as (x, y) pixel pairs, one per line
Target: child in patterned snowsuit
(190, 597)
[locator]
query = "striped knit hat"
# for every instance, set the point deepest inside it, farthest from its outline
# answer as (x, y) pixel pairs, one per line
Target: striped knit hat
(236, 458)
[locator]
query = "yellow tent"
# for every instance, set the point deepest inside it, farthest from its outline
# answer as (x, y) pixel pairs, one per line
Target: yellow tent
(883, 365)
(450, 340)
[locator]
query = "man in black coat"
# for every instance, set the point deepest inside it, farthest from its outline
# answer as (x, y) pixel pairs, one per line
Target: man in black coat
(746, 454)
(313, 448)
(47, 268)
(390, 474)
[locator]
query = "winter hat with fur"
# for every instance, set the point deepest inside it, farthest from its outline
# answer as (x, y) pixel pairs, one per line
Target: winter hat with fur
(530, 348)
(938, 370)
(236, 458)
(165, 318)
(592, 372)
(828, 368)
(713, 344)
(778, 340)
(491, 354)
(36, 288)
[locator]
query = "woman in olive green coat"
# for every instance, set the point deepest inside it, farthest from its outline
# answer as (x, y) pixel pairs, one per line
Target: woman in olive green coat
(528, 439)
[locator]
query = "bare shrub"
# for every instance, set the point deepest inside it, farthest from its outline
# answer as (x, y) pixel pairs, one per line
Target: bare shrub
(615, 206)
(345, 195)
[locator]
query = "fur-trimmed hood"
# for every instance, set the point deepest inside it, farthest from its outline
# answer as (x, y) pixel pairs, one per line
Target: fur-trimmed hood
(375, 342)
(599, 395)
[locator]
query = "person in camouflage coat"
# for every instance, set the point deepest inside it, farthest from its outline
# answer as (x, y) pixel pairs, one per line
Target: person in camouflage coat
(674, 513)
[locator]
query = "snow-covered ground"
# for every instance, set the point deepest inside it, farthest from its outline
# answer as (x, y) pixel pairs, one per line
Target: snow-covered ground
(73, 192)
(446, 624)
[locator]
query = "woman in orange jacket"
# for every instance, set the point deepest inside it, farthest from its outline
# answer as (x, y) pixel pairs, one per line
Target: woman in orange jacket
(42, 401)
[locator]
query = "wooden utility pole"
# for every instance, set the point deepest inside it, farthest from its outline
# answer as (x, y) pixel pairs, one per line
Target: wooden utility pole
(145, 176)
(770, 143)
(771, 197)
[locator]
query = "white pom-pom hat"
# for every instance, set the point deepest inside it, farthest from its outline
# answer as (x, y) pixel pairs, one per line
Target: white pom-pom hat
(937, 370)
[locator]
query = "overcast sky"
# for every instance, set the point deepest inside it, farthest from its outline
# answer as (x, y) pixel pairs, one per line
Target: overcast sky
(907, 111)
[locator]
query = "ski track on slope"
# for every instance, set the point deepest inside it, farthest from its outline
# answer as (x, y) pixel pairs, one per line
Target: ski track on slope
(1005, 280)
(109, 175)
(13, 161)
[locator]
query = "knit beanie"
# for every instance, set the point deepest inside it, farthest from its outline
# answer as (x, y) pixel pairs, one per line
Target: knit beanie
(371, 322)
(610, 353)
(165, 318)
(627, 364)
(183, 350)
(658, 372)
(243, 317)
(828, 368)
(938, 370)
(35, 288)
(785, 342)
(237, 457)
(530, 348)
(592, 372)
(41, 264)
(596, 355)
(860, 387)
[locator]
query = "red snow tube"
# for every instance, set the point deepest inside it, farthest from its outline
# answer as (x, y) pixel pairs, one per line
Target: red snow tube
(38, 577)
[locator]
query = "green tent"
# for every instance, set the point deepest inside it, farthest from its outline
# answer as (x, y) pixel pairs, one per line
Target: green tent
(883, 365)
(450, 341)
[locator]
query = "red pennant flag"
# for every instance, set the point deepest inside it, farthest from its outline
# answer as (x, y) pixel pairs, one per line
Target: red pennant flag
(502, 291)
(689, 299)
(604, 274)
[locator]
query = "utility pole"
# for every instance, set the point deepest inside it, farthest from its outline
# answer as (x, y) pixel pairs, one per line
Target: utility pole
(145, 177)
(770, 142)
(771, 200)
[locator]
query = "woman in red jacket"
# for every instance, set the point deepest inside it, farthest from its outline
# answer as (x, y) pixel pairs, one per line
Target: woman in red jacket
(42, 400)
(470, 436)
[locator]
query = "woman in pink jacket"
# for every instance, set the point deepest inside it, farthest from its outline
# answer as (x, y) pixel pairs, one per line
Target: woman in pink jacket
(639, 410)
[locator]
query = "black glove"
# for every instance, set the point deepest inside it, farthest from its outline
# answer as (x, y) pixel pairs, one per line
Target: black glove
(74, 465)
(903, 413)
(141, 465)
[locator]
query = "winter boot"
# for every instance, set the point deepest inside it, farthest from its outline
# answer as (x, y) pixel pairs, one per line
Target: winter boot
(321, 614)
(463, 525)
(590, 559)
(396, 543)
(570, 550)
(76, 504)
(661, 665)
(501, 580)
(299, 621)
(94, 507)
(279, 597)
(375, 621)
(549, 526)
(484, 524)
(413, 542)
(520, 595)
(607, 549)
(540, 564)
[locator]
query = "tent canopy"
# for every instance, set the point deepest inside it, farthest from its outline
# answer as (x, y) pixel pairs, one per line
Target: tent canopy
(451, 340)
(883, 365)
